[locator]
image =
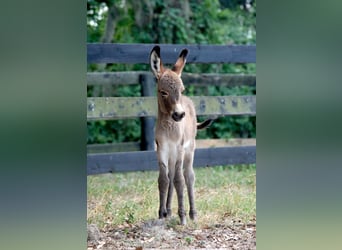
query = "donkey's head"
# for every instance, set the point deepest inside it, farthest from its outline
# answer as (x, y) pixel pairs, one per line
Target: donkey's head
(170, 85)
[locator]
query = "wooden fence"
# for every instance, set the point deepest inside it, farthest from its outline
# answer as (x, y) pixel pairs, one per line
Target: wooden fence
(101, 159)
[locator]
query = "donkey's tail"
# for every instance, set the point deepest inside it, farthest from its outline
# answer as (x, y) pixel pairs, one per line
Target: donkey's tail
(206, 123)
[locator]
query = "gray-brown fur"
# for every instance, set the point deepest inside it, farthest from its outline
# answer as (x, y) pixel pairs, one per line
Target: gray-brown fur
(175, 133)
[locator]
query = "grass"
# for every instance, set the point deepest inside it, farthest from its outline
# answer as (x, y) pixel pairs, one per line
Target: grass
(223, 194)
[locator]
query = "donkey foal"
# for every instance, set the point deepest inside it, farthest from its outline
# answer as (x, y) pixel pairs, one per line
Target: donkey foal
(175, 133)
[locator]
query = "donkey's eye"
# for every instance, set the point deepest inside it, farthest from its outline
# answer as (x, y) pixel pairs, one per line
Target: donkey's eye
(163, 93)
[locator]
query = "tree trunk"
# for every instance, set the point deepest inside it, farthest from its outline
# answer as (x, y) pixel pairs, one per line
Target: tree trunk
(107, 37)
(110, 24)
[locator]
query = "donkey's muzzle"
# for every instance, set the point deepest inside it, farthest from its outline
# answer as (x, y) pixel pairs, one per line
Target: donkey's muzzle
(177, 116)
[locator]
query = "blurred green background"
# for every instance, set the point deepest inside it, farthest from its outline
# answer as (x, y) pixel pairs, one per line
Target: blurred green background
(172, 22)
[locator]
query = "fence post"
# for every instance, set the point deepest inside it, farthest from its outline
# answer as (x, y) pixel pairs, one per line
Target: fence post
(148, 88)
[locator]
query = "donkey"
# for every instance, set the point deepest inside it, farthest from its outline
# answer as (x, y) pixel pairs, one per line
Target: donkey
(175, 133)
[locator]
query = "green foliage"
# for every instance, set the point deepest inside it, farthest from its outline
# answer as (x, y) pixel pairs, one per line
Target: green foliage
(189, 239)
(112, 131)
(166, 21)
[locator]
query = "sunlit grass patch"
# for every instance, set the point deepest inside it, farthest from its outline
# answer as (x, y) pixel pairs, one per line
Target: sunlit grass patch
(222, 193)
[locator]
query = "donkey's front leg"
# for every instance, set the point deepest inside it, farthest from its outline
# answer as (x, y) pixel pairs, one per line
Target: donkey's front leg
(170, 190)
(163, 185)
(179, 185)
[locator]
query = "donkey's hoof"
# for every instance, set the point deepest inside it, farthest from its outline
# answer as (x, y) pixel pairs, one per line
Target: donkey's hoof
(183, 221)
(162, 214)
(169, 213)
(193, 215)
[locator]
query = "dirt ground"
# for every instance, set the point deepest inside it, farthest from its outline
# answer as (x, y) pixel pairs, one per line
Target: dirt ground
(158, 234)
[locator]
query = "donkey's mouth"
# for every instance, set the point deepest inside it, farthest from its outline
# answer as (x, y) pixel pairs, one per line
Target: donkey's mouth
(178, 116)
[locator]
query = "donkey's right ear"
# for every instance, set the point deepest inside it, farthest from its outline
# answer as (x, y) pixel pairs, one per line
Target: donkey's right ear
(155, 62)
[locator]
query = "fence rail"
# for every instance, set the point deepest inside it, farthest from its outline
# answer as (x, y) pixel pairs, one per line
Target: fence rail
(136, 146)
(100, 108)
(139, 53)
(147, 160)
(133, 77)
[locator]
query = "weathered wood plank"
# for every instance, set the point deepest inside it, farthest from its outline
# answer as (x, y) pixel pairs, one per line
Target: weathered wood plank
(232, 142)
(147, 160)
(101, 108)
(132, 77)
(139, 53)
(113, 147)
(200, 143)
(115, 78)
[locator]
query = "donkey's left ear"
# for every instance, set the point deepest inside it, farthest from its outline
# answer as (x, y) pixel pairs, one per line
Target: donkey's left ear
(155, 62)
(180, 63)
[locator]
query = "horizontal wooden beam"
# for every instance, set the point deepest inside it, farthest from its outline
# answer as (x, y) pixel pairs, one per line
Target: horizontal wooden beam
(147, 160)
(113, 147)
(102, 108)
(133, 77)
(114, 78)
(200, 143)
(139, 53)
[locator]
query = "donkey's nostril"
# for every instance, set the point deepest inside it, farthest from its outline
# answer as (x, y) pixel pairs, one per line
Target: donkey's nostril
(178, 116)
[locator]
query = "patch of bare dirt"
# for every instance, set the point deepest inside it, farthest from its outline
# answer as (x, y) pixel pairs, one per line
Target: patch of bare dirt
(157, 234)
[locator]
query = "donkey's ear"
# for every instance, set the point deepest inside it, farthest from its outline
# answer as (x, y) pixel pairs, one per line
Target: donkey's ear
(180, 63)
(155, 62)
